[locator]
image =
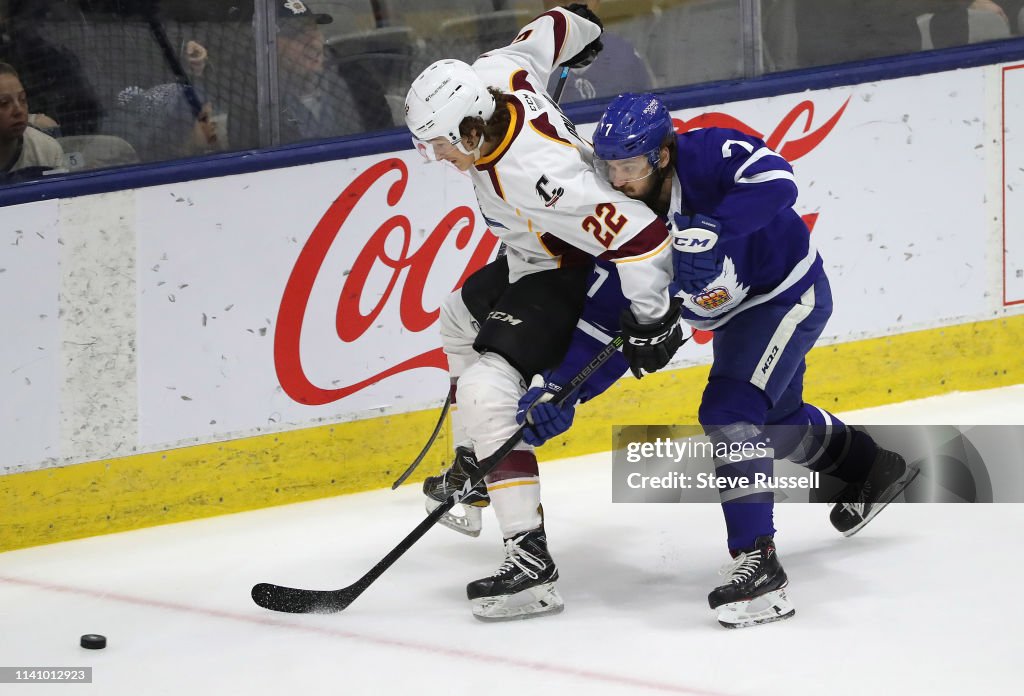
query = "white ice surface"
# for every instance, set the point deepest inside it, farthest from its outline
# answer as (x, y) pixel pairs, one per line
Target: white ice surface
(923, 601)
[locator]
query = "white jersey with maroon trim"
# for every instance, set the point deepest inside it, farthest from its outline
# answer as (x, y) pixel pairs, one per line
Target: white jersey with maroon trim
(538, 190)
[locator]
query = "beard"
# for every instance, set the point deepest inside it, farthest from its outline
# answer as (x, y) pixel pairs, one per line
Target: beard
(653, 195)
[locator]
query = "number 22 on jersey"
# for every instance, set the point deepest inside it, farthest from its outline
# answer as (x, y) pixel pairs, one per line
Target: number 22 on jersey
(604, 224)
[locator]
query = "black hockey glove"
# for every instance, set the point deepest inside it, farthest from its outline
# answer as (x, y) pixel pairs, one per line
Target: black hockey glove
(592, 49)
(649, 347)
(585, 12)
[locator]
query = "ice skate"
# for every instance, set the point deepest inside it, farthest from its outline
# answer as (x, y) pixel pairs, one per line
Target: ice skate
(859, 502)
(753, 591)
(522, 587)
(454, 478)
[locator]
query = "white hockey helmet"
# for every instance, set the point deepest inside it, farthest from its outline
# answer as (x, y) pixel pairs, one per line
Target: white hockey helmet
(444, 94)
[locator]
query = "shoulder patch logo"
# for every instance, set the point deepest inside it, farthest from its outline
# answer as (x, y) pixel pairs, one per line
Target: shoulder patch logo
(549, 198)
(712, 298)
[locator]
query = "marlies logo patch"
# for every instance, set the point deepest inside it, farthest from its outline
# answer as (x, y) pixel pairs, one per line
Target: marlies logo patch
(712, 298)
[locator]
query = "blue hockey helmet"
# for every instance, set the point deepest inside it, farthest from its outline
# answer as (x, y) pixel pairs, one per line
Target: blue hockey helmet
(632, 125)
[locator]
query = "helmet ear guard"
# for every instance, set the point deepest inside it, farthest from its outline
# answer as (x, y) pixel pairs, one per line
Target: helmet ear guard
(444, 94)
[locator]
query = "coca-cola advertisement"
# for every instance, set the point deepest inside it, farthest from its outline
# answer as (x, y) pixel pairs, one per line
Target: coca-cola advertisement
(309, 295)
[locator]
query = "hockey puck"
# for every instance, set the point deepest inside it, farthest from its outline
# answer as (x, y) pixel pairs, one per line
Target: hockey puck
(93, 641)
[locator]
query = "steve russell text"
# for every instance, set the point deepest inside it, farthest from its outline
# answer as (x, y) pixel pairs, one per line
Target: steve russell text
(675, 479)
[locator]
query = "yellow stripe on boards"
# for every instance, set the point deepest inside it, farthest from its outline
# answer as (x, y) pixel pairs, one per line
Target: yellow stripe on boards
(841, 377)
(57, 504)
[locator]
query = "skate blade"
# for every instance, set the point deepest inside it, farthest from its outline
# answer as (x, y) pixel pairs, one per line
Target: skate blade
(542, 600)
(470, 522)
(769, 607)
(890, 495)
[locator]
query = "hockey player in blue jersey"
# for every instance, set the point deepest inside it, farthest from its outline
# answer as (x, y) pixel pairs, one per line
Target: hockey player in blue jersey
(744, 269)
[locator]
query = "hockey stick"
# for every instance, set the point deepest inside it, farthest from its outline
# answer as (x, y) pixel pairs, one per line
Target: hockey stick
(426, 448)
(561, 83)
(156, 28)
(298, 601)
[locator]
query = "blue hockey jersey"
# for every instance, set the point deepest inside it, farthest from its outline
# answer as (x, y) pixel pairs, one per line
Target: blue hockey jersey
(736, 179)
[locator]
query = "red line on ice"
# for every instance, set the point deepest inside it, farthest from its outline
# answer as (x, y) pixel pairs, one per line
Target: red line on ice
(268, 620)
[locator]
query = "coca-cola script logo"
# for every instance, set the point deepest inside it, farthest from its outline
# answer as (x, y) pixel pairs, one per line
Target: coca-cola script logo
(350, 323)
(793, 138)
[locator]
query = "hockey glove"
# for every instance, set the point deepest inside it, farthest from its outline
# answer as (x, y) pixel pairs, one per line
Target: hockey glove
(649, 347)
(585, 12)
(546, 420)
(592, 49)
(695, 257)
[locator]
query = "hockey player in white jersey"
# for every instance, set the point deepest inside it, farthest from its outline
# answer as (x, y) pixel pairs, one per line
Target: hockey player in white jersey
(539, 193)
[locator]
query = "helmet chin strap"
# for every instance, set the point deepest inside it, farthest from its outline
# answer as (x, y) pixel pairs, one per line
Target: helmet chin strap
(474, 153)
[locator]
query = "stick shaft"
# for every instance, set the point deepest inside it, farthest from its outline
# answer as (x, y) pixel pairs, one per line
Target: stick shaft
(484, 468)
(561, 84)
(426, 448)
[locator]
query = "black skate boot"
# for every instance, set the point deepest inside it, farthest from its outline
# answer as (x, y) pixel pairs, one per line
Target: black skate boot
(753, 591)
(454, 478)
(523, 586)
(859, 502)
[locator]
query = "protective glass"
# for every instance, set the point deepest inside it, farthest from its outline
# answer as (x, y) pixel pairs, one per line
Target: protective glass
(624, 171)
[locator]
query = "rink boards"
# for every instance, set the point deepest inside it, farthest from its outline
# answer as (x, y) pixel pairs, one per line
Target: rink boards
(212, 346)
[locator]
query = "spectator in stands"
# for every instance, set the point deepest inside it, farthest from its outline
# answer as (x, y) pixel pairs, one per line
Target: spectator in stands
(65, 101)
(25, 152)
(618, 68)
(169, 121)
(317, 101)
(219, 58)
(989, 20)
(1014, 12)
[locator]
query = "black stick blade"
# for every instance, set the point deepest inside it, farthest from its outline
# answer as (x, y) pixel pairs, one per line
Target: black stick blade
(296, 601)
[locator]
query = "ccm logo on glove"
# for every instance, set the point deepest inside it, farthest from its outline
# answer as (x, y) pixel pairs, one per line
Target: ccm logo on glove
(696, 260)
(649, 347)
(694, 235)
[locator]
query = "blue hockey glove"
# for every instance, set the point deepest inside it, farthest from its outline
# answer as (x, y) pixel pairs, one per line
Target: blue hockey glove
(546, 420)
(696, 260)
